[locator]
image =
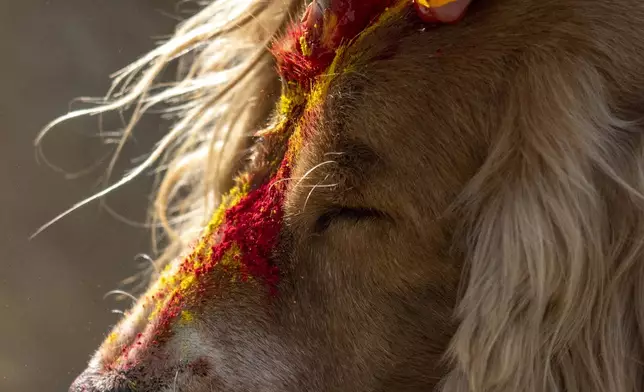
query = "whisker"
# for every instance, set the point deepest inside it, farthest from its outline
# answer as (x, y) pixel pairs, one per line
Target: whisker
(283, 180)
(320, 186)
(311, 192)
(120, 292)
(150, 260)
(300, 179)
(311, 170)
(174, 384)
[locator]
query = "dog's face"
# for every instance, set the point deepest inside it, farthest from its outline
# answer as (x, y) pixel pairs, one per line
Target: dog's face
(358, 235)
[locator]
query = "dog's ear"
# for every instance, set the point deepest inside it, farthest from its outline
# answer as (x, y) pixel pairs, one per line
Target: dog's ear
(554, 234)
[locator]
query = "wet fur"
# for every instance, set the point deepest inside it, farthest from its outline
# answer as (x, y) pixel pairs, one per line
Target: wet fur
(497, 164)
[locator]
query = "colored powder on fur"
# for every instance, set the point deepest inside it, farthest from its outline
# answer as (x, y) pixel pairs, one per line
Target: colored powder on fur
(240, 239)
(433, 3)
(310, 46)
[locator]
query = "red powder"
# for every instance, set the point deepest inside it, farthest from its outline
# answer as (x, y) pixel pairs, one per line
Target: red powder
(251, 228)
(244, 242)
(352, 17)
(309, 47)
(253, 225)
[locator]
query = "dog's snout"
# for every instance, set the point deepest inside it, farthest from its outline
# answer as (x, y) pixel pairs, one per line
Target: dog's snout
(90, 382)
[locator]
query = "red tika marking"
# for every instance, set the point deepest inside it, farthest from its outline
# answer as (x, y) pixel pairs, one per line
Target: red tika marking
(309, 47)
(253, 225)
(251, 228)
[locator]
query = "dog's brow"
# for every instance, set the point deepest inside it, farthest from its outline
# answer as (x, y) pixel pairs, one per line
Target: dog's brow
(355, 157)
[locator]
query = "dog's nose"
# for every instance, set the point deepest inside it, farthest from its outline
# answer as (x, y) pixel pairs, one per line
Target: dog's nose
(91, 382)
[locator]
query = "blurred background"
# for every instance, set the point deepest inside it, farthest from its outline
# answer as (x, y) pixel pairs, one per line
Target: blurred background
(52, 311)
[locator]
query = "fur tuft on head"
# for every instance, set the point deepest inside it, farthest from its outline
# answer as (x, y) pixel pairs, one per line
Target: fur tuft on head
(225, 66)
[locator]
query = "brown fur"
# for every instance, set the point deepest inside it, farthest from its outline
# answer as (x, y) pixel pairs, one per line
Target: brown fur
(501, 156)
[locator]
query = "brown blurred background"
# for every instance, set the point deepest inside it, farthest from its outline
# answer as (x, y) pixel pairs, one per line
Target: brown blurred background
(52, 311)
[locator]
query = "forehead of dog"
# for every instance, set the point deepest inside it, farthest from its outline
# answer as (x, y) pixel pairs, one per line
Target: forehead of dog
(394, 106)
(411, 97)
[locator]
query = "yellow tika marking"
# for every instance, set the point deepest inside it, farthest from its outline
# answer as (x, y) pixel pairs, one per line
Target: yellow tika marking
(187, 317)
(388, 15)
(231, 257)
(293, 98)
(304, 45)
(233, 197)
(187, 282)
(320, 89)
(112, 338)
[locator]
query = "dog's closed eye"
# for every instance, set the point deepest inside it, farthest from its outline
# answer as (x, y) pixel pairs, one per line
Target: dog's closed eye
(347, 214)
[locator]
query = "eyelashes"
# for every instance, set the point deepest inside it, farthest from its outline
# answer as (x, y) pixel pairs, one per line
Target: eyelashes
(347, 214)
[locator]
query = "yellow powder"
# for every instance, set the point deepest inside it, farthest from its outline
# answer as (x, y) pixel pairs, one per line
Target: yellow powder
(187, 282)
(434, 3)
(233, 197)
(186, 317)
(112, 338)
(304, 45)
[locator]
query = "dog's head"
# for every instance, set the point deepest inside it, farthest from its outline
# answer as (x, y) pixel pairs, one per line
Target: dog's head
(405, 159)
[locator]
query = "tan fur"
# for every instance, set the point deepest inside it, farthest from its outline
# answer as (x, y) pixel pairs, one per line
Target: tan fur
(503, 156)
